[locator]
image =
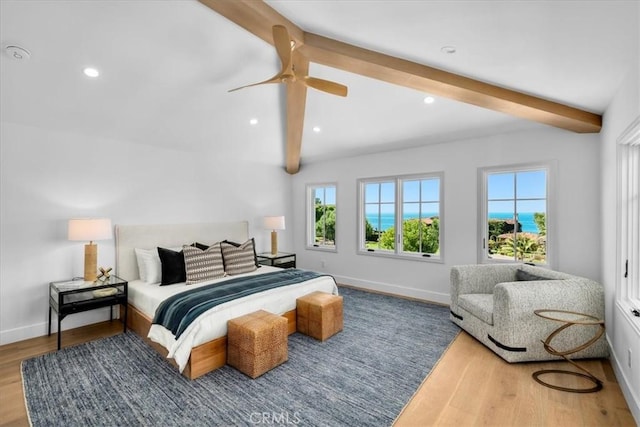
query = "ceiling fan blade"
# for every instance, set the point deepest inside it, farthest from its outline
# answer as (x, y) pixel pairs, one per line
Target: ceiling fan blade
(282, 42)
(325, 85)
(275, 79)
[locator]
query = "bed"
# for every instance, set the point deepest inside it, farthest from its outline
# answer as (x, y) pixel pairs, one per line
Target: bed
(202, 347)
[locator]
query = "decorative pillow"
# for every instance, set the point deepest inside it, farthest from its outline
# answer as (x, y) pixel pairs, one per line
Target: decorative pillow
(239, 259)
(523, 276)
(237, 245)
(203, 265)
(149, 265)
(201, 245)
(173, 270)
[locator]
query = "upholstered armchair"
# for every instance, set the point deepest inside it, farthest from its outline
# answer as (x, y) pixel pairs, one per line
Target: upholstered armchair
(495, 303)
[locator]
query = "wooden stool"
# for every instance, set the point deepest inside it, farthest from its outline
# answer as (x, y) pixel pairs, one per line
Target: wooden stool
(319, 315)
(257, 342)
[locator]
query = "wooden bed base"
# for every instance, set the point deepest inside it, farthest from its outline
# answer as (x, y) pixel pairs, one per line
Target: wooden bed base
(205, 357)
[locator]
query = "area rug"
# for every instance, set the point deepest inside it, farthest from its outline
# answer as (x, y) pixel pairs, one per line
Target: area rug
(362, 376)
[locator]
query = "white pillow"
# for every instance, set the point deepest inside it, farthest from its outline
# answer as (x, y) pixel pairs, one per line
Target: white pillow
(149, 265)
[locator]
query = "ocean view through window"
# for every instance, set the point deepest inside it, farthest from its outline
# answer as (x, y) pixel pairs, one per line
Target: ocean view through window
(401, 216)
(515, 214)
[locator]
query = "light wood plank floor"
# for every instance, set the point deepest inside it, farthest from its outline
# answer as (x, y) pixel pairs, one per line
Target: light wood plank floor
(469, 386)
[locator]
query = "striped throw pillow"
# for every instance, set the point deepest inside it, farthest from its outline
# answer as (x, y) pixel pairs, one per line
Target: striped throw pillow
(201, 265)
(239, 259)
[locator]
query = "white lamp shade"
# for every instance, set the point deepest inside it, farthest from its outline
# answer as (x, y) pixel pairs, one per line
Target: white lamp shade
(274, 222)
(90, 229)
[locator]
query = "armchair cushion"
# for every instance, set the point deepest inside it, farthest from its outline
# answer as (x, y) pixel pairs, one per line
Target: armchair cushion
(480, 305)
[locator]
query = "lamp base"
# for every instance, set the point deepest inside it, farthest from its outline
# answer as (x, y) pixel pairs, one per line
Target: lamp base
(274, 242)
(90, 262)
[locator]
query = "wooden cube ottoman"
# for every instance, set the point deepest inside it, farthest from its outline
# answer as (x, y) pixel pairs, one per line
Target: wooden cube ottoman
(319, 315)
(257, 342)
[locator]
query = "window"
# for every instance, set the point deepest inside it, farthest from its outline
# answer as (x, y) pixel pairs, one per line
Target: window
(401, 216)
(629, 215)
(321, 216)
(514, 214)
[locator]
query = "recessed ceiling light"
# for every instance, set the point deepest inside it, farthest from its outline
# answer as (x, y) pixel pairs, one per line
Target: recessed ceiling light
(91, 72)
(253, 122)
(448, 49)
(317, 129)
(18, 53)
(429, 100)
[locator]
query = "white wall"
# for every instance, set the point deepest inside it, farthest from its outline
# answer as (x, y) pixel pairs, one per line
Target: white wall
(622, 333)
(576, 187)
(48, 177)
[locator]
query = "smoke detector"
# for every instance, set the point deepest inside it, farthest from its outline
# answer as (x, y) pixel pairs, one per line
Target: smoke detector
(18, 53)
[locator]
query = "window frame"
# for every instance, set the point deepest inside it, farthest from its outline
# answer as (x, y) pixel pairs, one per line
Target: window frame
(311, 219)
(397, 252)
(628, 219)
(483, 214)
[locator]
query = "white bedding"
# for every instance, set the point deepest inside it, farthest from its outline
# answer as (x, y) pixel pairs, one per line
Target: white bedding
(213, 323)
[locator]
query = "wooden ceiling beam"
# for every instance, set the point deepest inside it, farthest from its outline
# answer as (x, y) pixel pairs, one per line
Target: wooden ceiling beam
(257, 17)
(437, 82)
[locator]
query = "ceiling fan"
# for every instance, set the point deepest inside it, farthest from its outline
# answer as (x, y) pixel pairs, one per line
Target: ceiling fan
(285, 46)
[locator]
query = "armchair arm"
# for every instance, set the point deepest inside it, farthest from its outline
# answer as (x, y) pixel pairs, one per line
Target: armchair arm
(514, 302)
(479, 279)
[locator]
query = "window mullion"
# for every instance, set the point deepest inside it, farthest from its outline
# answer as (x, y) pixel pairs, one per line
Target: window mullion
(634, 217)
(420, 216)
(399, 213)
(515, 216)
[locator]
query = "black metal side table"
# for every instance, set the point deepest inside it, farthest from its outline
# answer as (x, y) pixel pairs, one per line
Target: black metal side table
(76, 296)
(281, 259)
(569, 318)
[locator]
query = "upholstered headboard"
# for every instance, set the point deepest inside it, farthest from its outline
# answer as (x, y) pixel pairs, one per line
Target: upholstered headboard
(129, 237)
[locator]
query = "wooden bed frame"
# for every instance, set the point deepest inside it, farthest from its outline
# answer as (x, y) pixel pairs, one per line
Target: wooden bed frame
(204, 358)
(210, 355)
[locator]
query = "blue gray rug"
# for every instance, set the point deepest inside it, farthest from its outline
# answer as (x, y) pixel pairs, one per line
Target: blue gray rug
(362, 376)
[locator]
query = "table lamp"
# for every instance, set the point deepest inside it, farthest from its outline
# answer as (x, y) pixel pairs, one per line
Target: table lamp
(274, 223)
(90, 229)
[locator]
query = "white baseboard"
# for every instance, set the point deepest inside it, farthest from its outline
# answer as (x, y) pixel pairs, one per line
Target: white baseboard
(40, 329)
(633, 401)
(420, 294)
(23, 333)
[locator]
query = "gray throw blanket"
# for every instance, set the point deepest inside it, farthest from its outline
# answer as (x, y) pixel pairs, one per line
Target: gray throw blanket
(177, 312)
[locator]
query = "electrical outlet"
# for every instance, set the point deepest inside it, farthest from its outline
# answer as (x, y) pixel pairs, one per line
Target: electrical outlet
(629, 358)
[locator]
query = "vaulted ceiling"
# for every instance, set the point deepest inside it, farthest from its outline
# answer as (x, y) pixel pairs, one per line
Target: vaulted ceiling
(166, 67)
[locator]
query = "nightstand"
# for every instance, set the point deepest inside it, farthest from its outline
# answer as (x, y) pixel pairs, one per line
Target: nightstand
(76, 296)
(281, 259)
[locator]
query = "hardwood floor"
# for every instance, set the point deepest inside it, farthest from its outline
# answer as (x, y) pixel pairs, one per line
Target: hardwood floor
(469, 386)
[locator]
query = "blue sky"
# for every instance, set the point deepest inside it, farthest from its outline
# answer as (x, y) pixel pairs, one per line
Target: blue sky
(328, 194)
(529, 188)
(426, 191)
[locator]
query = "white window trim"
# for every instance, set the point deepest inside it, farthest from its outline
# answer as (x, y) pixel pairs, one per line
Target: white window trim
(628, 226)
(550, 167)
(398, 203)
(310, 234)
